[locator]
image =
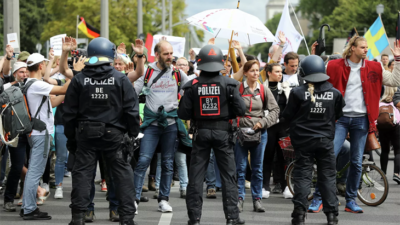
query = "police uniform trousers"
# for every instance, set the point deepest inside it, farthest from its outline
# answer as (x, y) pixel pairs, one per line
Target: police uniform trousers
(109, 145)
(321, 152)
(219, 141)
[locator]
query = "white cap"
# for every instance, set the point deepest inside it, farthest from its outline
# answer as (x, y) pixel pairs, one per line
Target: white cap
(19, 65)
(36, 58)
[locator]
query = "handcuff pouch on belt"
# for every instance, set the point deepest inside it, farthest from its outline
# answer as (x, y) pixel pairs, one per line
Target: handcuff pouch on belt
(92, 130)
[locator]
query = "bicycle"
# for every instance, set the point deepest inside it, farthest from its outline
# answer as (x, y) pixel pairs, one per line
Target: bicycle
(374, 186)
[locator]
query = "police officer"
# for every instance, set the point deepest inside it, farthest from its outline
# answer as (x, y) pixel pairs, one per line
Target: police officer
(312, 111)
(100, 107)
(212, 101)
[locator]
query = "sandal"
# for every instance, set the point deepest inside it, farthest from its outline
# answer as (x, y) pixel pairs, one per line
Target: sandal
(45, 196)
(39, 201)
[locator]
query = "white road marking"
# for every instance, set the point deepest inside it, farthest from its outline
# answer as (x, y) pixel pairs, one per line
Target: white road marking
(165, 219)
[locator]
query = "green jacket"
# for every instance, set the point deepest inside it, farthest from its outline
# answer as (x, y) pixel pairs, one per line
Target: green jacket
(161, 118)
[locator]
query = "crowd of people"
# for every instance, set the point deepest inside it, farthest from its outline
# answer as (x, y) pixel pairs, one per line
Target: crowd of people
(318, 101)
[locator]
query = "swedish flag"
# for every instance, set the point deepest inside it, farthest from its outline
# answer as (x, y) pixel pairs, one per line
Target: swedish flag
(376, 38)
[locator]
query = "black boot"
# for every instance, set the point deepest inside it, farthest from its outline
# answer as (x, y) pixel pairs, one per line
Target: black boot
(127, 222)
(193, 222)
(298, 217)
(78, 218)
(332, 218)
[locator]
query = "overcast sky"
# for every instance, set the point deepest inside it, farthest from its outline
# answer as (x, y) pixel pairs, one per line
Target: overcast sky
(254, 7)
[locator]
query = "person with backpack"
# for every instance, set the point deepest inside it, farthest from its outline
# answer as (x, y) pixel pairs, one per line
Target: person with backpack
(40, 107)
(17, 154)
(257, 98)
(389, 131)
(161, 86)
(312, 110)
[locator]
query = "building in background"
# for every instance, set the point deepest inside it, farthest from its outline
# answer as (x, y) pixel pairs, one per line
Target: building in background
(274, 7)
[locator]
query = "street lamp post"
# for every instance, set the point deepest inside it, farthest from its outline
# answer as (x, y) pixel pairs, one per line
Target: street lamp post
(380, 9)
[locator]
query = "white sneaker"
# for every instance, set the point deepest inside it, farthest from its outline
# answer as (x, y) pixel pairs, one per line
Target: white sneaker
(46, 187)
(164, 206)
(265, 194)
(136, 206)
(59, 193)
(287, 194)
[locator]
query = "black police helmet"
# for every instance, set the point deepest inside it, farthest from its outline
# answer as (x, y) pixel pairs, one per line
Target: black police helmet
(210, 59)
(100, 51)
(312, 69)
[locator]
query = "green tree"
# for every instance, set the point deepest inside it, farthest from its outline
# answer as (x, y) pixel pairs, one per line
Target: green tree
(359, 14)
(314, 10)
(122, 18)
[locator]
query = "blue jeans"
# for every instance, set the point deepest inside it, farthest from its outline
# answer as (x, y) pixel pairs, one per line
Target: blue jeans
(37, 164)
(256, 158)
(61, 153)
(210, 175)
(358, 129)
(152, 135)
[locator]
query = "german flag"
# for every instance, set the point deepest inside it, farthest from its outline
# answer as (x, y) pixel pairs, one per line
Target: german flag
(86, 28)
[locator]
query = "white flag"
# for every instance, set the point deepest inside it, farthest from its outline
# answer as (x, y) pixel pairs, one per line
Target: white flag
(293, 38)
(259, 57)
(178, 44)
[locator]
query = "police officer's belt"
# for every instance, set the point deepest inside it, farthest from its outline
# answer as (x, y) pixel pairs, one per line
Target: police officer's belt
(224, 125)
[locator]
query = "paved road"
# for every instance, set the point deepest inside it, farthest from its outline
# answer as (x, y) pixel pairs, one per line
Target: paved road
(278, 210)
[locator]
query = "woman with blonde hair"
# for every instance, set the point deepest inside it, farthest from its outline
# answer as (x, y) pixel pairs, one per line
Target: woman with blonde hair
(389, 133)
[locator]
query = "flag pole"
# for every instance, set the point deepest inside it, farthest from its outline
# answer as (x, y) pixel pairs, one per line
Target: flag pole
(304, 38)
(77, 23)
(230, 41)
(356, 31)
(384, 30)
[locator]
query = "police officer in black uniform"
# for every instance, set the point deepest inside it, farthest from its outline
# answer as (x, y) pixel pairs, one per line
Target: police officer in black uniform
(100, 107)
(312, 111)
(211, 101)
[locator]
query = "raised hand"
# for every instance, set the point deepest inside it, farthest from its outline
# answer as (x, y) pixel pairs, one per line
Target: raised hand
(138, 47)
(192, 54)
(396, 51)
(282, 37)
(66, 44)
(163, 38)
(79, 64)
(236, 45)
(314, 46)
(51, 54)
(121, 48)
(129, 68)
(211, 41)
(9, 51)
(74, 44)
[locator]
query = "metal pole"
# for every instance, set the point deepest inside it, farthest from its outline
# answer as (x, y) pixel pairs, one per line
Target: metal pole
(104, 19)
(77, 23)
(11, 21)
(140, 17)
(170, 17)
(304, 38)
(323, 37)
(163, 18)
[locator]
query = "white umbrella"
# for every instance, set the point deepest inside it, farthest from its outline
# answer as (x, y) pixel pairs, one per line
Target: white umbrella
(221, 22)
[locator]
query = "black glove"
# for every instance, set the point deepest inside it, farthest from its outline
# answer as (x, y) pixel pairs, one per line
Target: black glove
(72, 146)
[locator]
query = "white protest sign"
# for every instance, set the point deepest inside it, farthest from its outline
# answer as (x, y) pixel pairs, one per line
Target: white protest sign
(13, 40)
(56, 44)
(178, 44)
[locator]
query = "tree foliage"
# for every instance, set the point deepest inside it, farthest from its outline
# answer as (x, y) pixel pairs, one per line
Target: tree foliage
(122, 18)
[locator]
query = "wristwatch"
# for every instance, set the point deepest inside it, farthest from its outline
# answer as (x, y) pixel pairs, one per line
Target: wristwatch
(281, 45)
(9, 58)
(139, 56)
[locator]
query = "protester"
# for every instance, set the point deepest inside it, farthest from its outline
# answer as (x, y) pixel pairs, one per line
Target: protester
(257, 99)
(389, 135)
(361, 91)
(280, 91)
(40, 107)
(385, 61)
(391, 65)
(160, 112)
(291, 63)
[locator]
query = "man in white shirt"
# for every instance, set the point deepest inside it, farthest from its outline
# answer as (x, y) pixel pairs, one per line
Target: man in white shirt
(291, 63)
(40, 107)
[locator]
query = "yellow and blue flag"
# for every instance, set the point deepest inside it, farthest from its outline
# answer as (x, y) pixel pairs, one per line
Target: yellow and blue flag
(376, 38)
